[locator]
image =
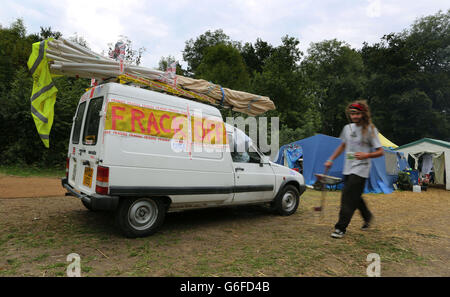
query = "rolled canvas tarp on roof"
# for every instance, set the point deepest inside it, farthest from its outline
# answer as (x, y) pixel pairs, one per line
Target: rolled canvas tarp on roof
(68, 58)
(241, 101)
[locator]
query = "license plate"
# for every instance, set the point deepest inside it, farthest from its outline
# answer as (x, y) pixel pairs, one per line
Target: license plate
(87, 178)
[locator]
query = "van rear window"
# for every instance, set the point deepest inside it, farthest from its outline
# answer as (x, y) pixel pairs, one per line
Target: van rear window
(77, 125)
(90, 133)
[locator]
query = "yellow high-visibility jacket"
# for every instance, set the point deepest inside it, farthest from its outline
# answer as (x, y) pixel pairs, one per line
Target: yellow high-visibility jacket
(44, 92)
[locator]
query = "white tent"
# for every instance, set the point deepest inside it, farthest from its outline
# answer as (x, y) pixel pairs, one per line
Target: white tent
(437, 151)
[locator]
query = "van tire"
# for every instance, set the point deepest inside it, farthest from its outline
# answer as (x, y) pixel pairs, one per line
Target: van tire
(286, 203)
(139, 217)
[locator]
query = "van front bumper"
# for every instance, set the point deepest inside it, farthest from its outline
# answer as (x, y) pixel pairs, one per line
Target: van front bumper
(95, 201)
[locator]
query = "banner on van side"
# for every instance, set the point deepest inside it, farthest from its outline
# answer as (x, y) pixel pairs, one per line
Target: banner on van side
(145, 120)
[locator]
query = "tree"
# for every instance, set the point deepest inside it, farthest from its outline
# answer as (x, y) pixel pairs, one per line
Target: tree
(15, 48)
(223, 64)
(47, 32)
(283, 81)
(409, 118)
(429, 40)
(429, 43)
(195, 49)
(334, 76)
(409, 82)
(166, 62)
(255, 56)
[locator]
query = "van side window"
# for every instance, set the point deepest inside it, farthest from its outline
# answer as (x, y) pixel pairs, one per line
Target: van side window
(242, 153)
(77, 124)
(90, 133)
(248, 156)
(245, 157)
(254, 157)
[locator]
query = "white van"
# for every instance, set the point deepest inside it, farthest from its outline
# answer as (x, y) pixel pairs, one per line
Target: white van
(143, 153)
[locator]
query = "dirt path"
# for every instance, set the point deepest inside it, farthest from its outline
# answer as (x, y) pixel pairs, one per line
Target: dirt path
(29, 187)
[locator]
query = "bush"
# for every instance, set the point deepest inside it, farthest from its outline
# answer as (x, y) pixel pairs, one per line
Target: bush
(404, 181)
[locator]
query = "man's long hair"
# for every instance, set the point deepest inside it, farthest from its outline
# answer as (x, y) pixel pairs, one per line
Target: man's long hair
(366, 120)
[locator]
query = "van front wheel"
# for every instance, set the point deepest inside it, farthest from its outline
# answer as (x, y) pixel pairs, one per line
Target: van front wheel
(139, 217)
(287, 202)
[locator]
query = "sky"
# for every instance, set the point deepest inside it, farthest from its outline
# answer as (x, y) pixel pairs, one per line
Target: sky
(163, 27)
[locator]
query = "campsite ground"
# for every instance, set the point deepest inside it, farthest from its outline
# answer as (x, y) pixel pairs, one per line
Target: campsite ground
(39, 229)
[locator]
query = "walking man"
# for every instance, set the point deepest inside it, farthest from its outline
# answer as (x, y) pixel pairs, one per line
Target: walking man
(360, 142)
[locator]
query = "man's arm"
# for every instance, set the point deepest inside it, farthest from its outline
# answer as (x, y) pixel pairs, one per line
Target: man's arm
(336, 154)
(377, 153)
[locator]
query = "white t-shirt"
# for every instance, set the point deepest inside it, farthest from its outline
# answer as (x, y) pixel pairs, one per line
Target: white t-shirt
(355, 142)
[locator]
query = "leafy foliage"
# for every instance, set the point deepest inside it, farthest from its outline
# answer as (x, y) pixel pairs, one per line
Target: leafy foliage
(404, 181)
(164, 63)
(334, 73)
(195, 49)
(223, 64)
(255, 55)
(408, 80)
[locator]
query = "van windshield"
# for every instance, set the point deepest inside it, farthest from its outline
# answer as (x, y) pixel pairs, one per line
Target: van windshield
(90, 133)
(77, 125)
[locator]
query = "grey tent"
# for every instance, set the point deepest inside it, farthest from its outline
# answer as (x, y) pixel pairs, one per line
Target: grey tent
(436, 151)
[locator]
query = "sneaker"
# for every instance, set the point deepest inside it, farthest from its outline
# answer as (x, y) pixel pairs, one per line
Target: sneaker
(337, 234)
(366, 226)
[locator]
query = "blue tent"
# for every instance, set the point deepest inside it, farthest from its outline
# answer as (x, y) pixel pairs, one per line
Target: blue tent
(318, 148)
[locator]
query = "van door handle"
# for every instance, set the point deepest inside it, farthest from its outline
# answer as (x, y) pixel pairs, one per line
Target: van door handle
(239, 169)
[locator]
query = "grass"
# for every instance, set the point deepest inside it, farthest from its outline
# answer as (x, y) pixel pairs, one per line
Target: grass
(31, 171)
(40, 257)
(12, 264)
(246, 241)
(161, 255)
(57, 265)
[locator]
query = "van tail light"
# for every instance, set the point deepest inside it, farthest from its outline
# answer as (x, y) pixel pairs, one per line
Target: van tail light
(67, 167)
(102, 185)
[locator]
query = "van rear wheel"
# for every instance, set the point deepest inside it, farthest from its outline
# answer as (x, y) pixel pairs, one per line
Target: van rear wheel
(287, 202)
(139, 217)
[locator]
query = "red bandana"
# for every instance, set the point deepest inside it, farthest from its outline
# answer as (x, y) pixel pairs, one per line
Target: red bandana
(357, 106)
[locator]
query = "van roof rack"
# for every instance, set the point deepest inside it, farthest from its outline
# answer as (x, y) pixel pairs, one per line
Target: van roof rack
(71, 59)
